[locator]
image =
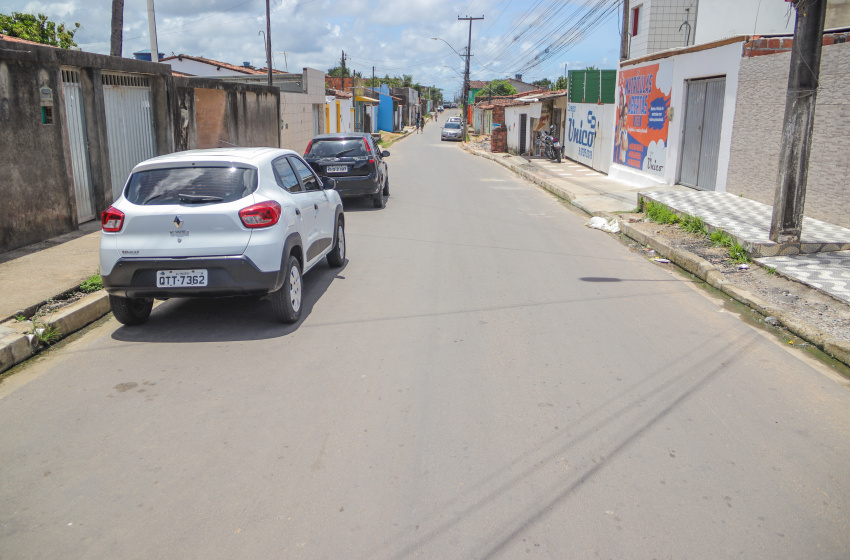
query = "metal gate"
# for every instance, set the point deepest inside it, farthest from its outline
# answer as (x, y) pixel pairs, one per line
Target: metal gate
(701, 138)
(523, 127)
(129, 124)
(76, 125)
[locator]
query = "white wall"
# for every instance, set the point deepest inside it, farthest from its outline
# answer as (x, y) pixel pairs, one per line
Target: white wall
(720, 61)
(719, 19)
(345, 106)
(296, 111)
(589, 137)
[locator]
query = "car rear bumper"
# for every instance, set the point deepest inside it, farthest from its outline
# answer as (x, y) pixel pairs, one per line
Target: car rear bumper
(226, 276)
(357, 186)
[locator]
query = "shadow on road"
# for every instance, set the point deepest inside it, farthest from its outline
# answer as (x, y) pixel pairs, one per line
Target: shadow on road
(226, 319)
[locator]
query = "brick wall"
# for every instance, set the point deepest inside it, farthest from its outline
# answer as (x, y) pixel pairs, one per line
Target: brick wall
(499, 137)
(757, 133)
(772, 45)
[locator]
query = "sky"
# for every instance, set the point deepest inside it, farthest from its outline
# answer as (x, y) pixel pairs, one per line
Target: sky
(537, 38)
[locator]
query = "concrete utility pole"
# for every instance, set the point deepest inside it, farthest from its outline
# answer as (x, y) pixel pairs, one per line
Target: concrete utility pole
(342, 71)
(624, 39)
(800, 100)
(269, 42)
(117, 36)
(466, 72)
(152, 32)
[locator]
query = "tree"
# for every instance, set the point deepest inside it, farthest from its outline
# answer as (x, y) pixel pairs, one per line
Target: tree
(38, 28)
(496, 88)
(591, 68)
(117, 37)
(545, 83)
(338, 71)
(562, 83)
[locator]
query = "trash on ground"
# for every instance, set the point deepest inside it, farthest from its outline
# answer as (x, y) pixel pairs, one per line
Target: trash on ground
(772, 321)
(661, 260)
(597, 222)
(743, 267)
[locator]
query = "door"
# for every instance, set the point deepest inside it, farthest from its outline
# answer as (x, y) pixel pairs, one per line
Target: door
(129, 124)
(78, 141)
(701, 136)
(523, 127)
(306, 214)
(321, 236)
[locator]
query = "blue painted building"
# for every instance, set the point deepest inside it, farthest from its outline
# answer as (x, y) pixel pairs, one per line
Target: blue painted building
(385, 109)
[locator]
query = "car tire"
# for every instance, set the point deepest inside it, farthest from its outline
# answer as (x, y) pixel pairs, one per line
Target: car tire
(378, 199)
(386, 185)
(336, 258)
(287, 301)
(130, 311)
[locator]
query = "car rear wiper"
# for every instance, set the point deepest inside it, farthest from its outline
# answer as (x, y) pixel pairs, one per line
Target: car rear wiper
(344, 151)
(197, 198)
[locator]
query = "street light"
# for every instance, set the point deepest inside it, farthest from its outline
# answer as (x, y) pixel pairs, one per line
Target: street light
(446, 42)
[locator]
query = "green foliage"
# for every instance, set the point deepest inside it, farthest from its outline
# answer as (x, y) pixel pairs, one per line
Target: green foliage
(693, 224)
(92, 284)
(20, 318)
(496, 88)
(38, 28)
(660, 213)
(739, 254)
(770, 270)
(561, 83)
(591, 68)
(339, 72)
(721, 239)
(545, 83)
(46, 334)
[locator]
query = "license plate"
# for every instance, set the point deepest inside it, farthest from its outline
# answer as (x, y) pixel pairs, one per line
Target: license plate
(181, 278)
(336, 168)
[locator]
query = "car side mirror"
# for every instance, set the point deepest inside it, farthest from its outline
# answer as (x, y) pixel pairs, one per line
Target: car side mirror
(328, 183)
(385, 153)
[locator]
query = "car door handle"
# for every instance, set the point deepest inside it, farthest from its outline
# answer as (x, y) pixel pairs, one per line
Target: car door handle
(316, 206)
(297, 212)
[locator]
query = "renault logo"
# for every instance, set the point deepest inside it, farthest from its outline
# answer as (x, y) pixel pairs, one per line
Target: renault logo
(177, 221)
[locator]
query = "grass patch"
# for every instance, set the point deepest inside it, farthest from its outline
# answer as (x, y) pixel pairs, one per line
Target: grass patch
(46, 334)
(770, 270)
(660, 213)
(721, 239)
(92, 284)
(739, 254)
(693, 224)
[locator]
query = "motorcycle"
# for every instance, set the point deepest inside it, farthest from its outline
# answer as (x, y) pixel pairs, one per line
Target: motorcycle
(551, 145)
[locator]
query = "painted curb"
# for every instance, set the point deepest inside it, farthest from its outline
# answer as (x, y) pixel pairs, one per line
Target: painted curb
(699, 267)
(16, 348)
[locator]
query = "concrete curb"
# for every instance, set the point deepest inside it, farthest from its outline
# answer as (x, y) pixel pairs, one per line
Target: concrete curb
(699, 267)
(16, 348)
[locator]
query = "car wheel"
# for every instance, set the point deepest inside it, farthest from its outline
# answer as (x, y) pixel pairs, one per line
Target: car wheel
(336, 258)
(378, 199)
(286, 302)
(131, 311)
(386, 185)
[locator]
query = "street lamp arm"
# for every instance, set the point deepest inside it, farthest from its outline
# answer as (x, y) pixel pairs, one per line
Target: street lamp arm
(446, 42)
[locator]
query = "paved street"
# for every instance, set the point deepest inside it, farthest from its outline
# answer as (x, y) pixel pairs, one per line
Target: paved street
(485, 378)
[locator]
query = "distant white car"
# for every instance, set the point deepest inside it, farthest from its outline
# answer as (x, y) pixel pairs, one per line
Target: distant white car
(220, 222)
(453, 119)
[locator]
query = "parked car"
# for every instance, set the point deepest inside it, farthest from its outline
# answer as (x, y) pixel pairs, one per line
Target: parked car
(354, 161)
(451, 131)
(454, 119)
(220, 222)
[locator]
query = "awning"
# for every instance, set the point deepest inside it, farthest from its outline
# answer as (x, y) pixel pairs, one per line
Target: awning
(366, 99)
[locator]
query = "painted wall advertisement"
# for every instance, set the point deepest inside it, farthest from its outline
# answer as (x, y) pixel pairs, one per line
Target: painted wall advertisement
(587, 132)
(643, 94)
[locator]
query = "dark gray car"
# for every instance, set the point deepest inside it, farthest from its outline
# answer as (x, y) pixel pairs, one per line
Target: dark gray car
(354, 161)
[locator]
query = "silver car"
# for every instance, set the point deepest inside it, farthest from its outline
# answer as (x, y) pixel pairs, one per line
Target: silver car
(451, 131)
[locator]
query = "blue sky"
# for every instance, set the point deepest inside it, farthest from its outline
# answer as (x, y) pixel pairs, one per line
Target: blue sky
(392, 35)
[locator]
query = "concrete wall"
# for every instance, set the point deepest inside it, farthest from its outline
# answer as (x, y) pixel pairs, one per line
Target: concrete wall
(719, 19)
(203, 69)
(302, 114)
(37, 186)
(754, 162)
(215, 114)
(589, 137)
(723, 60)
(345, 107)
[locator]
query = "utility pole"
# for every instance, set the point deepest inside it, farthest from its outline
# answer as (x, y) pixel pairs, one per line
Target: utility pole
(152, 32)
(342, 71)
(268, 42)
(117, 36)
(466, 72)
(624, 39)
(800, 100)
(373, 77)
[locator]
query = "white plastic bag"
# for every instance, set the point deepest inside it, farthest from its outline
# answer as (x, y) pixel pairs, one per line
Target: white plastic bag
(598, 222)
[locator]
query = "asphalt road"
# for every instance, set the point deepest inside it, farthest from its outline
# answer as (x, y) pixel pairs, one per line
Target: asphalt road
(485, 378)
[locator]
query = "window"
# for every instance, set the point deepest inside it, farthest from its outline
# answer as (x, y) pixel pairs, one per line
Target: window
(285, 176)
(307, 178)
(635, 21)
(191, 185)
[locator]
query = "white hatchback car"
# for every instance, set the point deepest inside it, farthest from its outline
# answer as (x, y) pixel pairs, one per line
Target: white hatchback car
(220, 222)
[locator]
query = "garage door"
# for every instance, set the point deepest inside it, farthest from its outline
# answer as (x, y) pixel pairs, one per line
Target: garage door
(76, 119)
(701, 142)
(129, 124)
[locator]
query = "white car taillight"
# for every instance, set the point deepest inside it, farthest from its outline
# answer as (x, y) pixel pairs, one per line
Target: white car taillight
(263, 214)
(111, 219)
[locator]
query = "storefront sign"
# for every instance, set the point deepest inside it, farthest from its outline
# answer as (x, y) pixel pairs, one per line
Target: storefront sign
(643, 95)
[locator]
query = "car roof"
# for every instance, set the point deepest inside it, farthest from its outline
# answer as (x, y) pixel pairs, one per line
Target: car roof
(250, 156)
(342, 135)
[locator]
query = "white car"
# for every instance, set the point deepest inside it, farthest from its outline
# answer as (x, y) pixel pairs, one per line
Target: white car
(220, 222)
(453, 119)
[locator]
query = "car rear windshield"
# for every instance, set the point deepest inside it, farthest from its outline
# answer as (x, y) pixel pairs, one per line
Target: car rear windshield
(338, 147)
(191, 185)
(452, 125)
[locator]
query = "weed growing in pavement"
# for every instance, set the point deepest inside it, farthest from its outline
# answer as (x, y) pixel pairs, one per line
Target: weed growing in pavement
(770, 270)
(721, 239)
(739, 254)
(693, 224)
(660, 213)
(46, 334)
(92, 284)
(20, 318)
